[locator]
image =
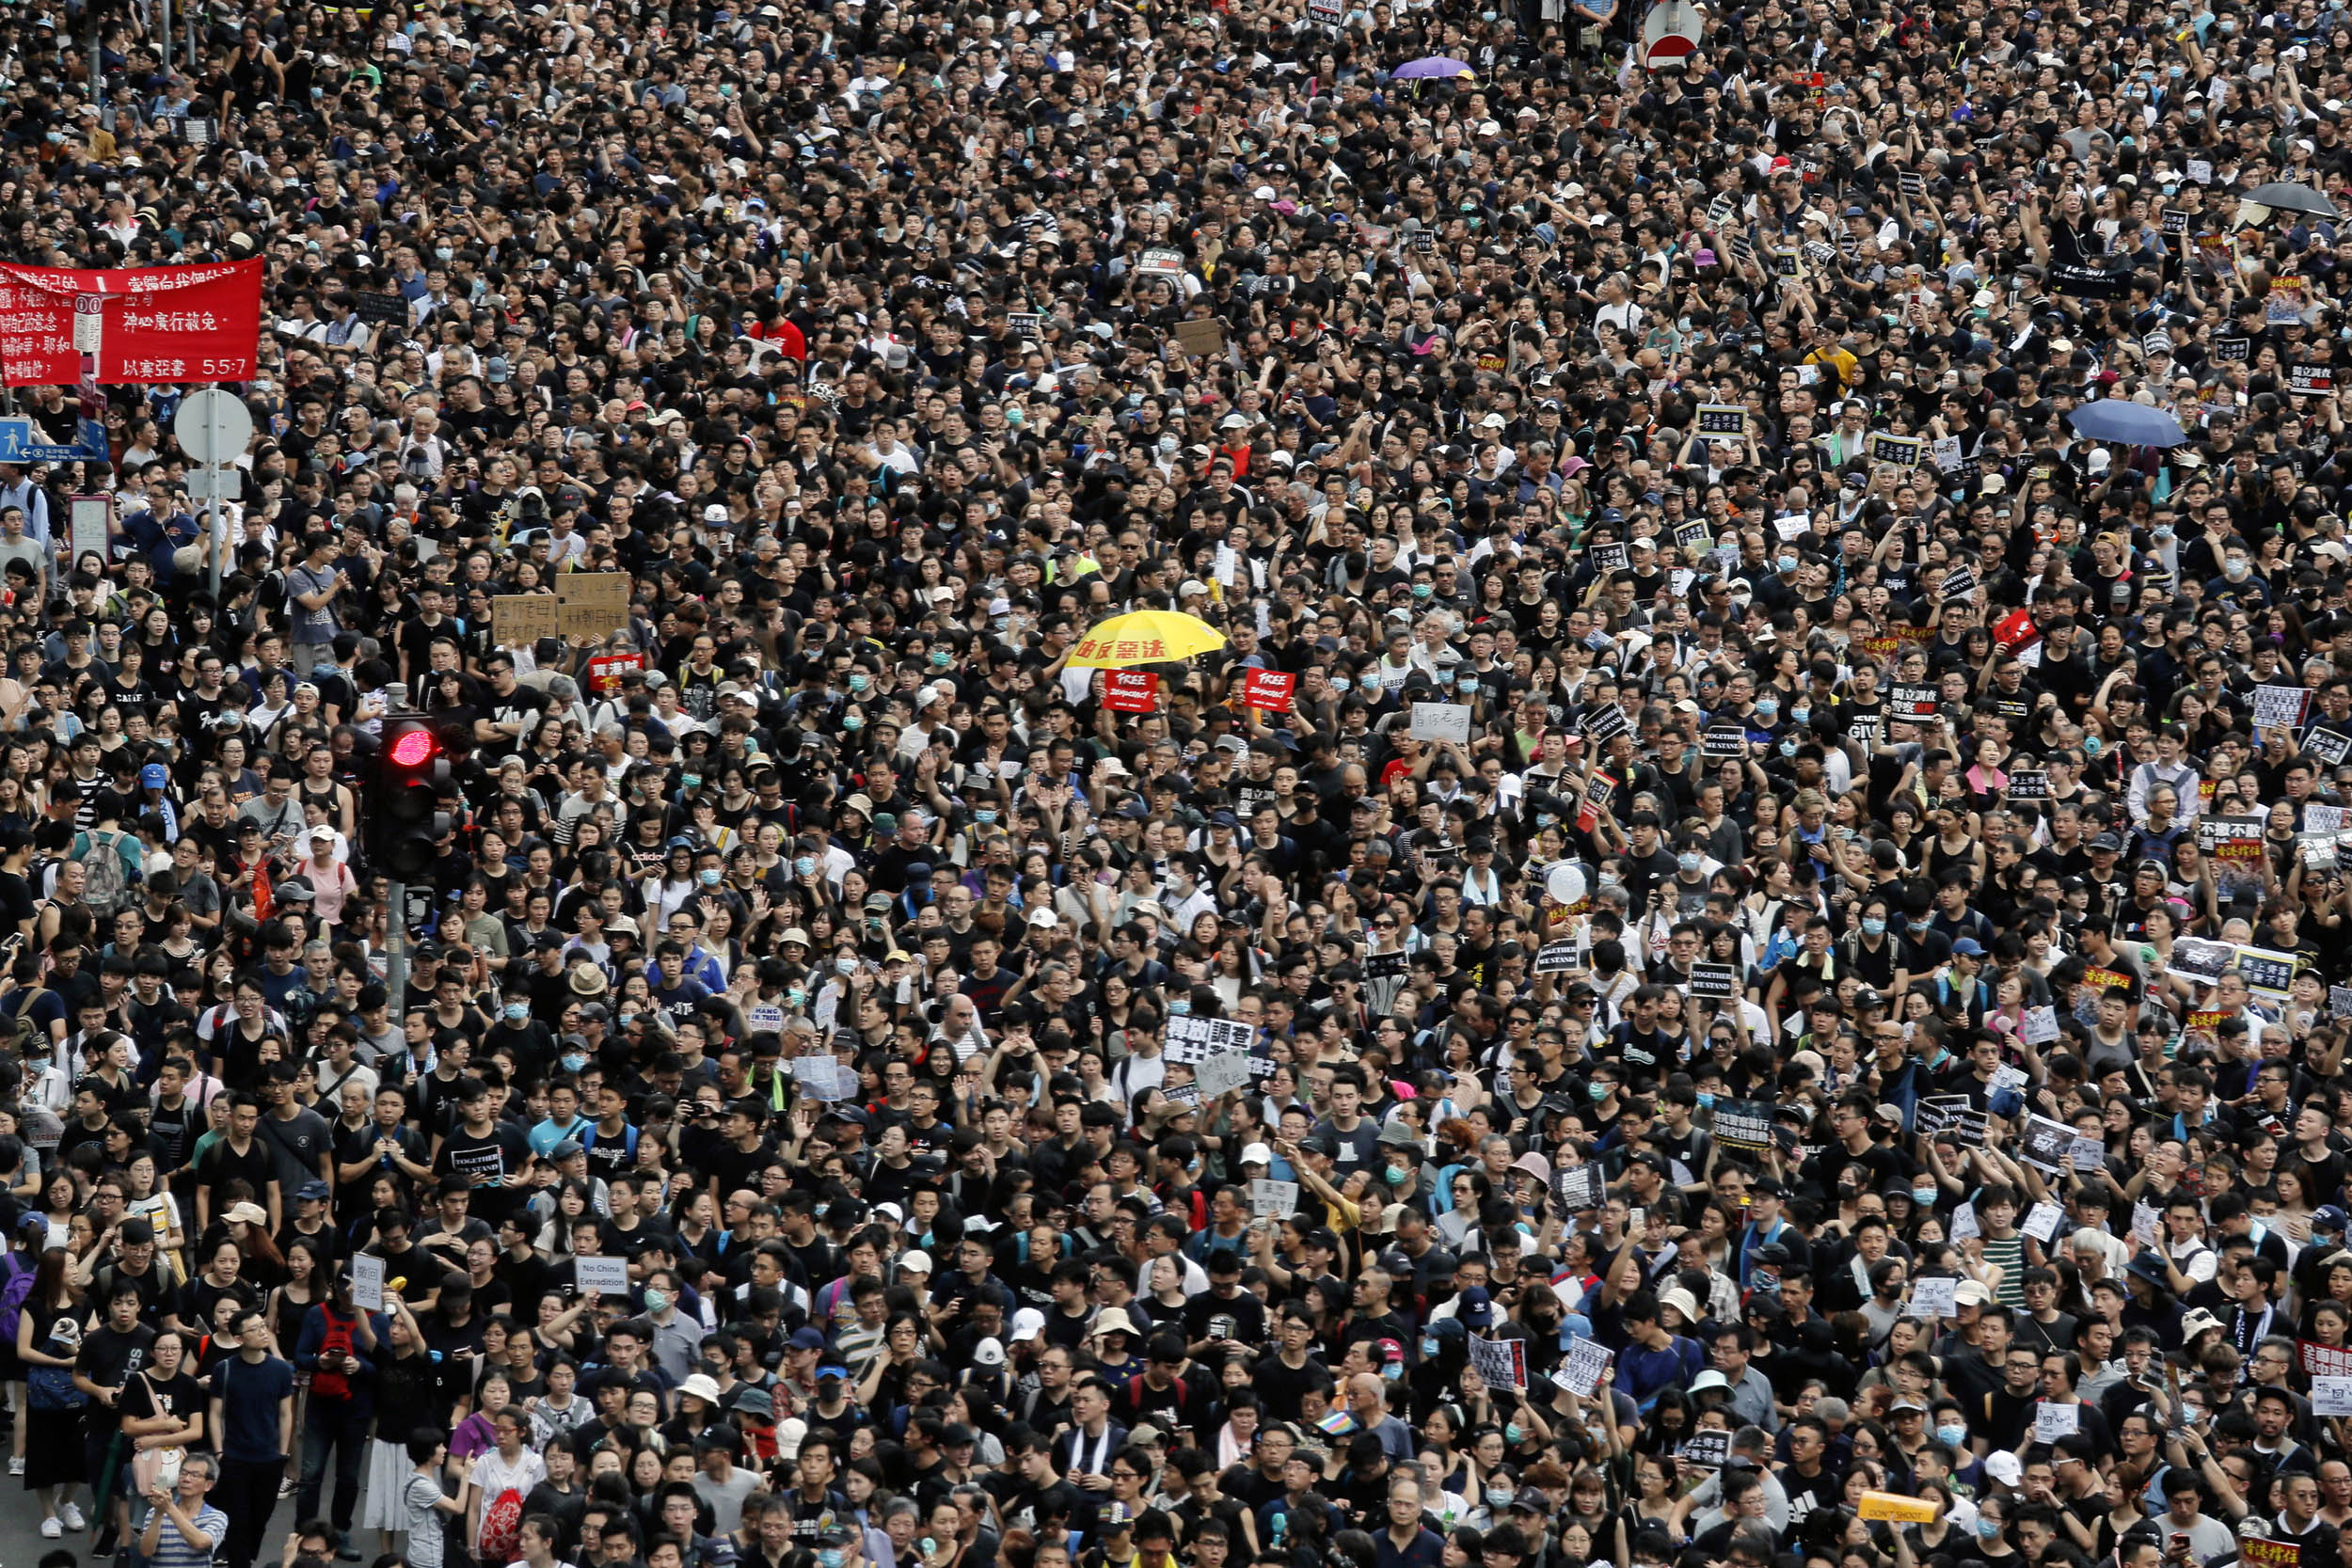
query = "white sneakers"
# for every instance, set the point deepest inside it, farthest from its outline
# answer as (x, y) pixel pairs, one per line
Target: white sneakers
(51, 1529)
(71, 1514)
(16, 1465)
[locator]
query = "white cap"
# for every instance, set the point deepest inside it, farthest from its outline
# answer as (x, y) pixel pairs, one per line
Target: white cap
(1257, 1154)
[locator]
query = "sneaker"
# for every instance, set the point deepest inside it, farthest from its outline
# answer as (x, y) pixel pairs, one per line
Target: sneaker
(72, 1516)
(51, 1530)
(16, 1465)
(286, 1488)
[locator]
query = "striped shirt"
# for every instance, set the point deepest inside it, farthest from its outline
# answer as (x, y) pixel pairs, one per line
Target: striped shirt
(173, 1551)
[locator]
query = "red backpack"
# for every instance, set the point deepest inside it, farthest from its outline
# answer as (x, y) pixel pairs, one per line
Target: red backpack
(334, 1385)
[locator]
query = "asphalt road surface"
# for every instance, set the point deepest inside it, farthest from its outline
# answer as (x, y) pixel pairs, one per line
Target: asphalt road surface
(22, 1545)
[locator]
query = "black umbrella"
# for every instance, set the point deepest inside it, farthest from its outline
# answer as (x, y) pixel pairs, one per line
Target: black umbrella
(2286, 196)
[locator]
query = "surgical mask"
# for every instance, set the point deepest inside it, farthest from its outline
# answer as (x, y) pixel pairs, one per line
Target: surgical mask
(2235, 569)
(1499, 1497)
(1510, 1433)
(656, 1300)
(1789, 747)
(1706, 1100)
(1785, 562)
(1391, 1371)
(1428, 1346)
(1340, 683)
(1798, 715)
(1398, 1175)
(516, 1013)
(1767, 707)
(1987, 1529)
(1598, 1092)
(804, 866)
(859, 683)
(1923, 1196)
(444, 253)
(574, 1061)
(1955, 1436)
(984, 817)
(831, 1557)
(851, 721)
(1688, 862)
(710, 875)
(1180, 1007)
(940, 659)
(845, 964)
(794, 997)
(1873, 926)
(1423, 590)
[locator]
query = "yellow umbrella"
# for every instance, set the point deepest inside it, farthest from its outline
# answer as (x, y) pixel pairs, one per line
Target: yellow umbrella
(1145, 637)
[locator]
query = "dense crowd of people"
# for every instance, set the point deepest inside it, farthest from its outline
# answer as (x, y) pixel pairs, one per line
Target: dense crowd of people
(1736, 956)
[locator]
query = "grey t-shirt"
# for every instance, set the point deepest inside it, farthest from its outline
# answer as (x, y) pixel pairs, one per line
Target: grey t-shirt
(726, 1499)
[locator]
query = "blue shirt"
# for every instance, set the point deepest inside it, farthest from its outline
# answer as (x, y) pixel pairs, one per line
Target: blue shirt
(250, 1394)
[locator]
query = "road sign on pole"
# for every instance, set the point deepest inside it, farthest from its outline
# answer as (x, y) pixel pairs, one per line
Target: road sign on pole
(214, 428)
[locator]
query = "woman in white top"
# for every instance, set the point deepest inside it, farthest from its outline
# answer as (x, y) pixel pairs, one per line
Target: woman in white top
(512, 1465)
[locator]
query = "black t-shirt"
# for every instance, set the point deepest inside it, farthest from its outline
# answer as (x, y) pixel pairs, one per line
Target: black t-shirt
(223, 1164)
(146, 1396)
(109, 1355)
(494, 1161)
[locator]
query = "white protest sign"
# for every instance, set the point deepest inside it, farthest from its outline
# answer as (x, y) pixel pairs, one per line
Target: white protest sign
(764, 1018)
(2332, 1396)
(1270, 1199)
(1441, 722)
(2144, 1220)
(2042, 1221)
(823, 1078)
(366, 1282)
(2042, 1026)
(1222, 1072)
(1964, 1223)
(1192, 1041)
(605, 1275)
(1932, 1299)
(2053, 1421)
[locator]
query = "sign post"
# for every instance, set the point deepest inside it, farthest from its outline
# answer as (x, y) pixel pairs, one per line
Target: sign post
(214, 428)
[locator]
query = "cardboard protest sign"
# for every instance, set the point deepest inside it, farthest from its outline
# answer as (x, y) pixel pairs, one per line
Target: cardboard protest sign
(518, 620)
(1720, 981)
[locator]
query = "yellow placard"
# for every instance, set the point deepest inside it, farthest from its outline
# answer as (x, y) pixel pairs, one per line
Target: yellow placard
(594, 603)
(518, 620)
(1895, 1506)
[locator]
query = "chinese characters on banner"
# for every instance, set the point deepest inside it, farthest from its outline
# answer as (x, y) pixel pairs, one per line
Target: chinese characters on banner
(149, 325)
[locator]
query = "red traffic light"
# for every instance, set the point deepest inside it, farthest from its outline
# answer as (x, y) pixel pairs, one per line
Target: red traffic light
(414, 749)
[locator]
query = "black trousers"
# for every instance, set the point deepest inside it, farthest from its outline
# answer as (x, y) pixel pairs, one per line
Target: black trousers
(247, 1493)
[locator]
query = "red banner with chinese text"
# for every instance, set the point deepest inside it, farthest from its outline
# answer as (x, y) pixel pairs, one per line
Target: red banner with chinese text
(154, 323)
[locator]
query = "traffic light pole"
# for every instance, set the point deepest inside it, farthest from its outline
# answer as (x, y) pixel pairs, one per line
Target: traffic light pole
(396, 953)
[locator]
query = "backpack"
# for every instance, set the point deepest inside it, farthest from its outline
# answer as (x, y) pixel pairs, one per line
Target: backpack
(106, 886)
(334, 1385)
(14, 1294)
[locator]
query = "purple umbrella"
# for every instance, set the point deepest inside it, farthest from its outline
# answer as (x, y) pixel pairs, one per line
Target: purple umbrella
(1436, 65)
